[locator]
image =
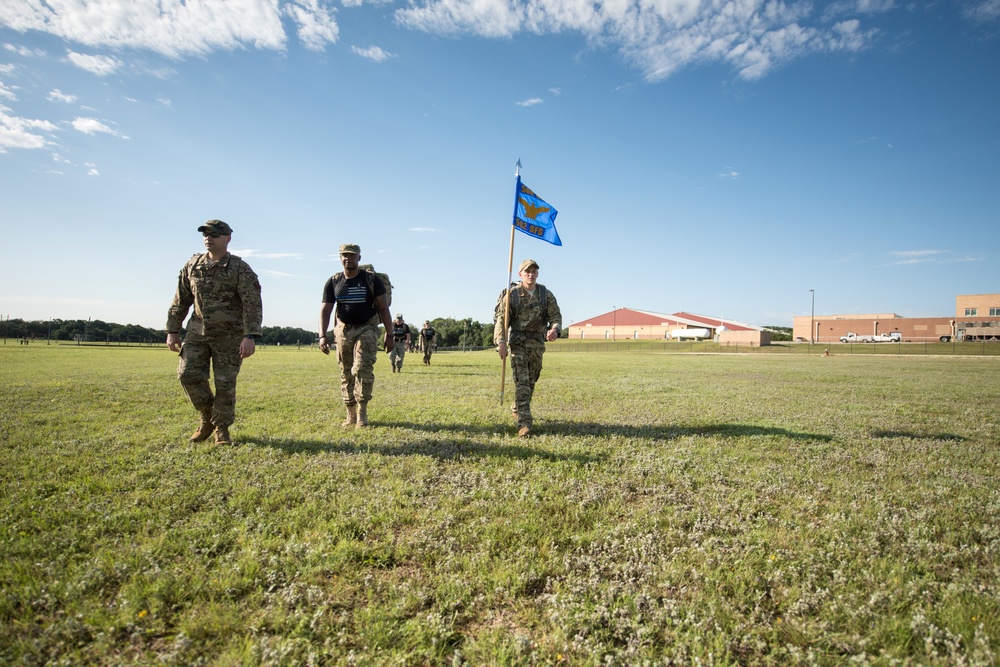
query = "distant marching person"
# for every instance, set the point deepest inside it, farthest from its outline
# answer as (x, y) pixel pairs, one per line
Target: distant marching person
(427, 341)
(225, 293)
(401, 342)
(359, 296)
(534, 319)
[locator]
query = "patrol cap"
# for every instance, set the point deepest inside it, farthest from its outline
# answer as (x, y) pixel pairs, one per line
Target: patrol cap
(217, 226)
(350, 248)
(399, 316)
(526, 264)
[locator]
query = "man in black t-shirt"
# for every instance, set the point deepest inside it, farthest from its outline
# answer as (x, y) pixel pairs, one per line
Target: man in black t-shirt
(427, 341)
(359, 297)
(401, 341)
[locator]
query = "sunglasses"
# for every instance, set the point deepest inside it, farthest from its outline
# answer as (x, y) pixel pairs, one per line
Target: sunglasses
(214, 235)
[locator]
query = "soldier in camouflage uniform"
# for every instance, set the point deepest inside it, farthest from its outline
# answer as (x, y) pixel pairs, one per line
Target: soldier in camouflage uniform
(226, 320)
(359, 297)
(534, 319)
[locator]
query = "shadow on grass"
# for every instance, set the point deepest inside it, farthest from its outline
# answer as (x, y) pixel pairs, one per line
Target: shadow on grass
(444, 449)
(672, 432)
(951, 437)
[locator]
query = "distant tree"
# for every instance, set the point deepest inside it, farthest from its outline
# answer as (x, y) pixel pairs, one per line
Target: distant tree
(779, 333)
(287, 336)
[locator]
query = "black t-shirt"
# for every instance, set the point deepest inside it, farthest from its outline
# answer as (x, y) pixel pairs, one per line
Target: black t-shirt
(355, 300)
(400, 329)
(427, 333)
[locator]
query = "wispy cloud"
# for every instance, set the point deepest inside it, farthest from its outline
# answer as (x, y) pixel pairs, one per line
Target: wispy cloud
(529, 102)
(917, 256)
(94, 126)
(17, 132)
(22, 51)
(59, 96)
(731, 174)
(753, 37)
(986, 11)
(660, 38)
(99, 65)
(372, 53)
(424, 229)
(250, 252)
(177, 29)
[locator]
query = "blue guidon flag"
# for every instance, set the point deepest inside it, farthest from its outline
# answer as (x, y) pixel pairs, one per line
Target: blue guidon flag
(533, 216)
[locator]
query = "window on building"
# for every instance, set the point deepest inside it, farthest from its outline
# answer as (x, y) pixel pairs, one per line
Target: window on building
(994, 312)
(971, 312)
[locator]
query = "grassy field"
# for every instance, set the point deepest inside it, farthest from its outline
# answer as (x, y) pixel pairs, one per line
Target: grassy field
(750, 509)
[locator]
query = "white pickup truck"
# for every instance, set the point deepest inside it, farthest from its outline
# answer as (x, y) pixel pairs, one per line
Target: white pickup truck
(891, 337)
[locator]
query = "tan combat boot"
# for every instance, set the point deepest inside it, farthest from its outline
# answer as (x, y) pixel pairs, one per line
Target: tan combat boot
(352, 416)
(362, 415)
(524, 432)
(205, 427)
(222, 436)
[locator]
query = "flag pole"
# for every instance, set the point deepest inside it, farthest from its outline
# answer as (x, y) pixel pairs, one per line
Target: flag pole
(510, 272)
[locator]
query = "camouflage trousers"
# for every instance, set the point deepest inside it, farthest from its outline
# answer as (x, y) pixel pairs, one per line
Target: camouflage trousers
(397, 354)
(357, 346)
(428, 351)
(222, 353)
(526, 365)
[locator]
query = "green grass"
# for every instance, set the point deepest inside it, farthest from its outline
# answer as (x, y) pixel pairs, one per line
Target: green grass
(750, 509)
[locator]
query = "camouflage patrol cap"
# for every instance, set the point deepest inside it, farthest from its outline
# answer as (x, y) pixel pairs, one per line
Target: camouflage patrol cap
(217, 226)
(399, 316)
(526, 264)
(350, 248)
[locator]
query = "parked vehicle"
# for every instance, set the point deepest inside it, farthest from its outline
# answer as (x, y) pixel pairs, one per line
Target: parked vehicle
(696, 334)
(891, 337)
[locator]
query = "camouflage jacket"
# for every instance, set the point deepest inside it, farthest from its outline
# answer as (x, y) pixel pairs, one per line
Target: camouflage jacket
(526, 317)
(225, 296)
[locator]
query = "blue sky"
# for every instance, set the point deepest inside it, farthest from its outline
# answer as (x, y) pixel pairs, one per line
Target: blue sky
(721, 158)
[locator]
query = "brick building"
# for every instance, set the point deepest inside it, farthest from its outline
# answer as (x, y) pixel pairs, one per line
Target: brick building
(977, 317)
(630, 324)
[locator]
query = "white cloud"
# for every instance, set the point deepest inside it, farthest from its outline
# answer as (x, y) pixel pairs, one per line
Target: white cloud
(732, 174)
(317, 27)
(530, 102)
(99, 65)
(6, 68)
(176, 29)
(22, 51)
(16, 132)
(985, 10)
(373, 53)
(94, 126)
(423, 229)
(915, 256)
(59, 96)
(7, 92)
(660, 37)
(250, 252)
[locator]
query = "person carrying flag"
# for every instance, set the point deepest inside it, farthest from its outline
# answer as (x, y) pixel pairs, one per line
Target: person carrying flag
(534, 319)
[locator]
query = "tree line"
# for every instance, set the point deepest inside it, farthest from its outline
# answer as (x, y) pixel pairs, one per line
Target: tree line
(450, 332)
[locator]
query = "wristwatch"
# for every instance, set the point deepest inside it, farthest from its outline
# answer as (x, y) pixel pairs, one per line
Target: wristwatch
(251, 336)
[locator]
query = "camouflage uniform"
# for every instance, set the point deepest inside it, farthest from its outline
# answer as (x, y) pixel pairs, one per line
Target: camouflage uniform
(428, 341)
(526, 342)
(227, 306)
(400, 332)
(357, 348)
